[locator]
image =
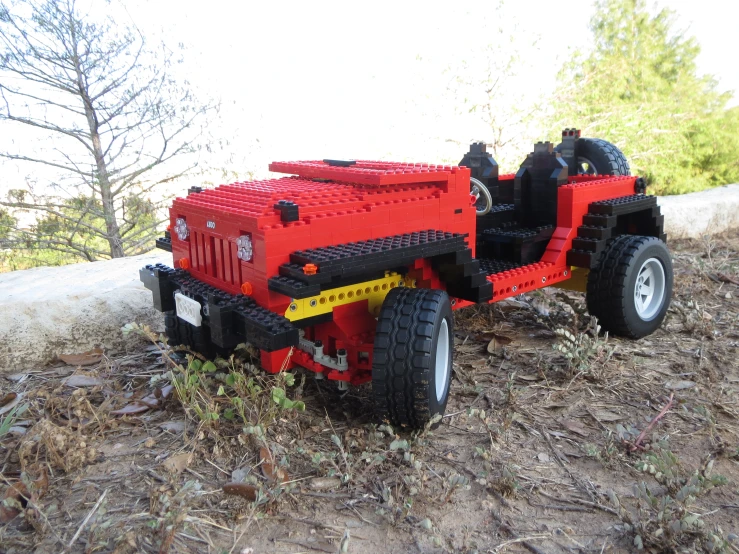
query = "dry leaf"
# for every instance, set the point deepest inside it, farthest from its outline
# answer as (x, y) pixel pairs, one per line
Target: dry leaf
(726, 278)
(324, 483)
(82, 381)
(8, 398)
(17, 494)
(479, 364)
(86, 358)
(241, 489)
(270, 469)
(575, 427)
(529, 377)
(178, 462)
(8, 508)
(41, 485)
(497, 341)
(679, 385)
(173, 426)
(17, 430)
(10, 401)
(605, 415)
(146, 403)
(131, 409)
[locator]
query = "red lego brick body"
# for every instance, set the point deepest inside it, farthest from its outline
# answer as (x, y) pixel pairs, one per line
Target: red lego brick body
(371, 200)
(302, 267)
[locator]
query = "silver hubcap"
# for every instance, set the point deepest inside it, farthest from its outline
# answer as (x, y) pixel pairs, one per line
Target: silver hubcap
(441, 364)
(586, 167)
(649, 291)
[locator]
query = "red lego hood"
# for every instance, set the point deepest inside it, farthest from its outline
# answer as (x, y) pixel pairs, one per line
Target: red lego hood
(320, 187)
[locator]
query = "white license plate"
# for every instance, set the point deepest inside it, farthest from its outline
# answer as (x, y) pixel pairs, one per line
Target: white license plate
(188, 309)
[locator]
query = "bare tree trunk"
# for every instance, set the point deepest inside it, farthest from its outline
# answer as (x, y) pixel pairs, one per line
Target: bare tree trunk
(111, 223)
(113, 233)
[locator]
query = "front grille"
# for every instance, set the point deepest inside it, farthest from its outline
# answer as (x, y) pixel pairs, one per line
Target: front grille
(214, 257)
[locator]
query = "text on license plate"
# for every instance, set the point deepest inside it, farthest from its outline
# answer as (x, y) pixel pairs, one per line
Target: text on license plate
(188, 309)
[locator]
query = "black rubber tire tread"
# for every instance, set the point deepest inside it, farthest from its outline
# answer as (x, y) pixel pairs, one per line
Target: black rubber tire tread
(608, 293)
(608, 159)
(403, 380)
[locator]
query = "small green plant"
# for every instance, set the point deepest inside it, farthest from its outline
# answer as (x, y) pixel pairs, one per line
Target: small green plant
(667, 521)
(7, 421)
(506, 484)
(585, 352)
(605, 454)
(190, 380)
(170, 511)
(232, 390)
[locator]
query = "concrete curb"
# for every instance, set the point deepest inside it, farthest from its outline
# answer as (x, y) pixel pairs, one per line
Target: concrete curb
(701, 213)
(50, 311)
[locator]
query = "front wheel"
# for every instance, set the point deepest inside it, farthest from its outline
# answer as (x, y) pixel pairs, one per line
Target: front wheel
(629, 291)
(412, 360)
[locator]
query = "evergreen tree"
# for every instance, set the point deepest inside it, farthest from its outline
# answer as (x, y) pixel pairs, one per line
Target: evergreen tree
(640, 89)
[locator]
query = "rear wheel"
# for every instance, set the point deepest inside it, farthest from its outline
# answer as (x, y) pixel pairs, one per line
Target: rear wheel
(629, 291)
(599, 157)
(412, 360)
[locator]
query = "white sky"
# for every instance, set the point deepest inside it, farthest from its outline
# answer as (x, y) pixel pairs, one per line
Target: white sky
(365, 79)
(368, 80)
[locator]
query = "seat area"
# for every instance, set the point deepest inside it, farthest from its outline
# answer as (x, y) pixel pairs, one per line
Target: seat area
(517, 229)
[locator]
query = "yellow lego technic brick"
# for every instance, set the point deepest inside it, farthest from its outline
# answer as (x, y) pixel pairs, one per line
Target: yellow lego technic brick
(373, 291)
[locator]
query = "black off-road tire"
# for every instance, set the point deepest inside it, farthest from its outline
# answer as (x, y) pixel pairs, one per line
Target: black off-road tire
(413, 326)
(606, 158)
(179, 332)
(612, 286)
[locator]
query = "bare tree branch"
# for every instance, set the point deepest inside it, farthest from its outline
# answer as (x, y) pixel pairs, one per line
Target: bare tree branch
(97, 86)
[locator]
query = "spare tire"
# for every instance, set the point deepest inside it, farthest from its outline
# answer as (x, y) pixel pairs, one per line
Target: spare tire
(599, 157)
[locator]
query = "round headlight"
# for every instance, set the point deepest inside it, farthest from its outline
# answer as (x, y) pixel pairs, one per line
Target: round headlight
(246, 250)
(180, 227)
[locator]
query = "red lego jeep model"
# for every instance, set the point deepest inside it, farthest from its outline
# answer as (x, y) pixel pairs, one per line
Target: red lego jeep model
(352, 269)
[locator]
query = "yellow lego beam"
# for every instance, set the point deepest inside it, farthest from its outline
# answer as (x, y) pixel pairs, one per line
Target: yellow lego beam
(373, 291)
(578, 281)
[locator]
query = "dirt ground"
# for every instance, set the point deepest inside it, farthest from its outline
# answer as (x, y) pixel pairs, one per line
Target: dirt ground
(593, 446)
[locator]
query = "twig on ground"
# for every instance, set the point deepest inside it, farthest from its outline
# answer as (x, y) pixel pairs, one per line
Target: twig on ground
(560, 507)
(518, 539)
(559, 457)
(595, 505)
(323, 494)
(521, 540)
(321, 547)
(84, 522)
(637, 443)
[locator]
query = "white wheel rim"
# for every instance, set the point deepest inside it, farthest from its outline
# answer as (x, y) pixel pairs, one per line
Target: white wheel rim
(441, 363)
(586, 167)
(649, 289)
